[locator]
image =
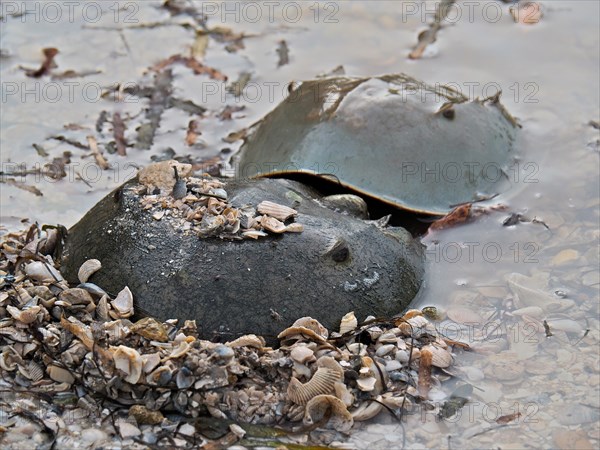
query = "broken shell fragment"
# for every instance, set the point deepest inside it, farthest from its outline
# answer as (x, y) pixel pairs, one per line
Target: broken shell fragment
(367, 410)
(76, 296)
(276, 210)
(59, 374)
(321, 406)
(294, 228)
(25, 316)
(123, 303)
(302, 354)
(87, 269)
(129, 361)
(348, 323)
(248, 340)
(272, 224)
(151, 329)
(42, 272)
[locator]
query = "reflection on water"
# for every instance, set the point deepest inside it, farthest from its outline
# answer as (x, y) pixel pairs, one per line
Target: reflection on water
(524, 297)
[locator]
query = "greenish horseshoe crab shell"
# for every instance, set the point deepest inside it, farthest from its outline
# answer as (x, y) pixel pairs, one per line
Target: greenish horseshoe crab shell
(393, 138)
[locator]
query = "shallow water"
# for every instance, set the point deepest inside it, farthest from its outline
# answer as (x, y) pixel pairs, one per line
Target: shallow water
(549, 76)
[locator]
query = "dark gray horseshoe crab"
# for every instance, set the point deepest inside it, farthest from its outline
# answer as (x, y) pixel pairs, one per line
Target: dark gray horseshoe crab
(270, 253)
(393, 138)
(193, 256)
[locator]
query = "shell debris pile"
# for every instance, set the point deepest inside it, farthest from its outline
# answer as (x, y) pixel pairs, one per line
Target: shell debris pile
(200, 206)
(83, 351)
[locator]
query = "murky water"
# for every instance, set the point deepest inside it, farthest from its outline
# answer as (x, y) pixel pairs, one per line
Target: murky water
(549, 76)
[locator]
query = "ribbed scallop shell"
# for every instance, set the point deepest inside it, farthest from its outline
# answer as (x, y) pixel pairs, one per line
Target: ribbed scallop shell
(322, 382)
(440, 357)
(276, 210)
(87, 269)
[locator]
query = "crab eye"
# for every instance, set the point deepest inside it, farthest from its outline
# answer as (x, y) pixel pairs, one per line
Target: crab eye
(449, 114)
(338, 250)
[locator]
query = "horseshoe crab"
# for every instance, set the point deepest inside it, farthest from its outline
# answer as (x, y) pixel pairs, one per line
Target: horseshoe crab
(417, 147)
(224, 264)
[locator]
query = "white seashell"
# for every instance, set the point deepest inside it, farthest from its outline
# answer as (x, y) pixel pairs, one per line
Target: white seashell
(402, 356)
(24, 316)
(367, 410)
(150, 361)
(181, 350)
(366, 384)
(322, 406)
(59, 374)
(123, 303)
(294, 228)
(384, 349)
(248, 340)
(300, 370)
(392, 365)
(87, 269)
(42, 272)
(254, 234)
(348, 323)
(357, 348)
(396, 401)
(129, 361)
(276, 210)
(342, 392)
(565, 324)
(302, 354)
(272, 224)
(387, 338)
(185, 378)
(532, 311)
(103, 309)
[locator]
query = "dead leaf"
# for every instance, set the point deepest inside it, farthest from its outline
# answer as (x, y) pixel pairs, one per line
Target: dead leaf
(119, 134)
(457, 216)
(47, 65)
(199, 46)
(508, 418)
(235, 136)
(283, 53)
(56, 169)
(100, 160)
(191, 63)
(229, 110)
(237, 87)
(73, 74)
(429, 35)
(192, 132)
(23, 186)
